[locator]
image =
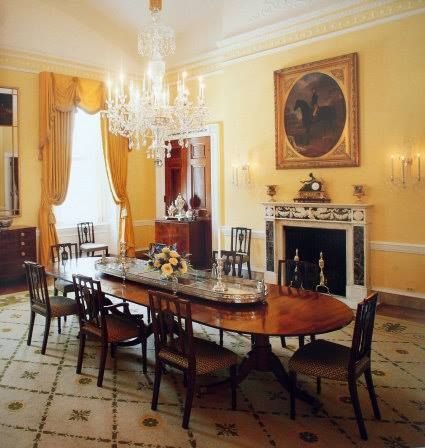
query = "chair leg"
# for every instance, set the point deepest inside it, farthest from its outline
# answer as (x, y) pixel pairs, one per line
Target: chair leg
(301, 340)
(318, 385)
(113, 350)
(148, 313)
(240, 270)
(55, 292)
(185, 379)
(46, 335)
(81, 352)
(352, 384)
(221, 337)
(283, 341)
(372, 394)
(156, 385)
(293, 385)
(59, 325)
(312, 338)
(102, 364)
(32, 318)
(144, 353)
(233, 384)
(190, 392)
(248, 264)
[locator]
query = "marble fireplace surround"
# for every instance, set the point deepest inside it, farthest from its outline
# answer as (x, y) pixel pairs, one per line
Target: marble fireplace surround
(353, 218)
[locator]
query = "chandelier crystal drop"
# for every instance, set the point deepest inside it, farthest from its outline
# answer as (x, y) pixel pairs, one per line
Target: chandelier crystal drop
(143, 112)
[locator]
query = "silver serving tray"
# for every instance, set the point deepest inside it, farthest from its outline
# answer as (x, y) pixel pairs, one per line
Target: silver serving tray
(195, 283)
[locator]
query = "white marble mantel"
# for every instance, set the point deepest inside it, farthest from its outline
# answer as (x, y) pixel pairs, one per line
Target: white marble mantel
(353, 218)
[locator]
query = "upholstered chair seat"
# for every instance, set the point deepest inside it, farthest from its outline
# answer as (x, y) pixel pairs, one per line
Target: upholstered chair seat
(325, 359)
(209, 357)
(93, 247)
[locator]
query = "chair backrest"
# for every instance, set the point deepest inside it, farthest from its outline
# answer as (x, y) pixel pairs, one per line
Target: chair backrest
(298, 274)
(169, 312)
(229, 258)
(240, 241)
(90, 302)
(85, 232)
(363, 329)
(37, 286)
(63, 252)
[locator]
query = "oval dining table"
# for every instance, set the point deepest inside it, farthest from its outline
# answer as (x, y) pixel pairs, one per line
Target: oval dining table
(286, 312)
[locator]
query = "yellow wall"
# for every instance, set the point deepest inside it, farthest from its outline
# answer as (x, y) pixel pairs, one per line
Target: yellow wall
(392, 98)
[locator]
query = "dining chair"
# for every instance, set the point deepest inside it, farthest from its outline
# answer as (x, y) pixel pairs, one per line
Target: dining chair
(299, 275)
(176, 346)
(325, 359)
(61, 253)
(230, 259)
(240, 242)
(42, 303)
(86, 240)
(102, 320)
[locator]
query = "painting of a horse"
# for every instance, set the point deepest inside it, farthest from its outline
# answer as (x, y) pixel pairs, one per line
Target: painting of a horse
(315, 114)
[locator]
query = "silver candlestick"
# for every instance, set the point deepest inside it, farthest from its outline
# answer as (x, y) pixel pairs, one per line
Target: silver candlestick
(219, 286)
(123, 260)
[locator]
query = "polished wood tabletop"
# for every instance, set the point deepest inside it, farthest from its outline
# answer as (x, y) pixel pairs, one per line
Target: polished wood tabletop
(287, 312)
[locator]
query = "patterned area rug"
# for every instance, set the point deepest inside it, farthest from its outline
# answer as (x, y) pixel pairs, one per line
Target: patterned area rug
(44, 403)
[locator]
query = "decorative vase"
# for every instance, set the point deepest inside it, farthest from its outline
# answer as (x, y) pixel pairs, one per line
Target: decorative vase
(358, 192)
(180, 203)
(271, 191)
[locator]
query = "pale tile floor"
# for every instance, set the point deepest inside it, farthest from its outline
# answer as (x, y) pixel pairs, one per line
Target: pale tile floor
(44, 403)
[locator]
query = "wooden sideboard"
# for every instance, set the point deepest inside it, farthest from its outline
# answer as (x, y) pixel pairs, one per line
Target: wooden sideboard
(192, 237)
(17, 244)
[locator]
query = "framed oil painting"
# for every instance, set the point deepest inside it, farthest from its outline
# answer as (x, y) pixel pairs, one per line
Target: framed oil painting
(316, 110)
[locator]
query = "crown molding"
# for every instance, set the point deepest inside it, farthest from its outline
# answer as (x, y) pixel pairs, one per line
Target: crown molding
(341, 18)
(14, 59)
(301, 31)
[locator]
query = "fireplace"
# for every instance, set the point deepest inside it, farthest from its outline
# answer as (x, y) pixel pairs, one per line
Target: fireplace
(348, 226)
(310, 242)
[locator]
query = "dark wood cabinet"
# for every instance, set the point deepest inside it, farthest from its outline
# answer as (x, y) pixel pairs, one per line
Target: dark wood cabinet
(188, 171)
(17, 244)
(192, 237)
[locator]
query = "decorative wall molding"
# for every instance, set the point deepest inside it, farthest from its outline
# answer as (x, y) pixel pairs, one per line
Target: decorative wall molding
(301, 31)
(406, 248)
(337, 19)
(384, 246)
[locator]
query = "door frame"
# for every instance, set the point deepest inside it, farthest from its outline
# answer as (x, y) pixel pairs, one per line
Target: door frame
(213, 132)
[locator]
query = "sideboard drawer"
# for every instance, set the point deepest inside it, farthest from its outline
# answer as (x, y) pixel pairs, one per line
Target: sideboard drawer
(17, 244)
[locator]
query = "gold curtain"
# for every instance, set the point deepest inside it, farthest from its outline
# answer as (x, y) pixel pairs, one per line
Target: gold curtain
(59, 96)
(115, 150)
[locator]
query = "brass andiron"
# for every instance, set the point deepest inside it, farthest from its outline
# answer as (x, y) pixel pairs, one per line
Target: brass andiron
(322, 284)
(295, 279)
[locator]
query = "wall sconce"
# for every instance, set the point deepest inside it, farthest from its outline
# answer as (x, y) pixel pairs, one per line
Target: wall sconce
(241, 175)
(404, 165)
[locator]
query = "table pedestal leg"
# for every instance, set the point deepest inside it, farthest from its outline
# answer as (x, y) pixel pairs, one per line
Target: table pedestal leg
(262, 358)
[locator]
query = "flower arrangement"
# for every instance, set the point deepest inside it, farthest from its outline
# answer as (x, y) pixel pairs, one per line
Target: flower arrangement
(169, 262)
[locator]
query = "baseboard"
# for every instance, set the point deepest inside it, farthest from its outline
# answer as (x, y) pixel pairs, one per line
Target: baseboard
(405, 299)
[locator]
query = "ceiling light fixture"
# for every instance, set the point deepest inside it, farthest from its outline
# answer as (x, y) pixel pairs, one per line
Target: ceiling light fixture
(143, 113)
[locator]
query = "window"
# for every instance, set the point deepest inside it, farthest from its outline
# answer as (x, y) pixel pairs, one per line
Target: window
(89, 197)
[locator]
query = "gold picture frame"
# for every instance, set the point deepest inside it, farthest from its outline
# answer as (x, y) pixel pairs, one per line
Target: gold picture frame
(316, 113)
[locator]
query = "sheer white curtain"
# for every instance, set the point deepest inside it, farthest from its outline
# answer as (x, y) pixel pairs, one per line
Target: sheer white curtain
(89, 197)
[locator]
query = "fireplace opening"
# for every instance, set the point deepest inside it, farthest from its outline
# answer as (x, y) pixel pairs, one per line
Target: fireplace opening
(310, 242)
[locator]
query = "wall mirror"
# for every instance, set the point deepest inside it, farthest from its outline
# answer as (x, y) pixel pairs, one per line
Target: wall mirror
(9, 152)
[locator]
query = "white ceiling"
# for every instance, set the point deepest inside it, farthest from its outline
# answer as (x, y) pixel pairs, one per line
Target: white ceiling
(104, 32)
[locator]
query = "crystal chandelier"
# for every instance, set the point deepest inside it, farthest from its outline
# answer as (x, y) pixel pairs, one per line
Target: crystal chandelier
(144, 114)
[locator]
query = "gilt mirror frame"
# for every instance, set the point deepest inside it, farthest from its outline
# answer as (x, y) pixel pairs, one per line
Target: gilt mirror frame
(316, 114)
(14, 123)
